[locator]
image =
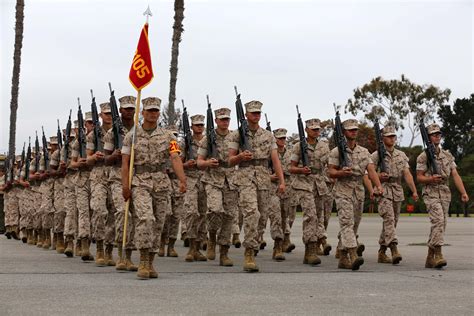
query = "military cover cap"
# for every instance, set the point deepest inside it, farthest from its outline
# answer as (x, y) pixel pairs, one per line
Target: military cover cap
(105, 107)
(197, 119)
(350, 124)
(313, 123)
(433, 128)
(280, 132)
(222, 113)
(253, 106)
(127, 101)
(53, 140)
(389, 131)
(88, 116)
(151, 103)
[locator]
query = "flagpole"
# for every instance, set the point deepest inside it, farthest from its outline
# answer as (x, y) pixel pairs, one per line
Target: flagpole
(130, 169)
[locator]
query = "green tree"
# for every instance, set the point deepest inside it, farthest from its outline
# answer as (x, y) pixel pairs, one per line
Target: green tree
(397, 102)
(458, 127)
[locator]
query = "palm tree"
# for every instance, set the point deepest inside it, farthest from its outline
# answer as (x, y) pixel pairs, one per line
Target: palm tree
(20, 6)
(177, 31)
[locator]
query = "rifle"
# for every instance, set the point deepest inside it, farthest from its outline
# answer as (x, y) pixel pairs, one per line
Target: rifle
(45, 151)
(430, 149)
(269, 128)
(28, 161)
(340, 141)
(380, 147)
(211, 133)
(67, 140)
(59, 135)
(117, 125)
(242, 123)
(303, 143)
(97, 130)
(188, 138)
(37, 153)
(81, 139)
(22, 161)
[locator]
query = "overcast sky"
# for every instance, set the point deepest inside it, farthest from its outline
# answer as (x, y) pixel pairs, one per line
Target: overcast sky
(311, 53)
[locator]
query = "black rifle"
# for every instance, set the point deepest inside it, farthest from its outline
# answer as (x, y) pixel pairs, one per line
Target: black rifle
(303, 142)
(37, 153)
(59, 135)
(242, 123)
(340, 141)
(67, 138)
(81, 137)
(381, 151)
(211, 133)
(45, 151)
(22, 162)
(117, 125)
(188, 137)
(430, 149)
(97, 130)
(269, 128)
(28, 161)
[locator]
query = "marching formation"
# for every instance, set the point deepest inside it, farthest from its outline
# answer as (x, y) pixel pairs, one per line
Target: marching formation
(215, 186)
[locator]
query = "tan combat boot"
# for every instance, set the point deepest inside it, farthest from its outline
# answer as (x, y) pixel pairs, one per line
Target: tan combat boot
(326, 247)
(152, 272)
(319, 251)
(236, 241)
(211, 246)
(396, 256)
(120, 264)
(39, 238)
(47, 239)
(69, 251)
(278, 250)
(439, 261)
(60, 243)
(313, 258)
(143, 272)
(249, 261)
(78, 249)
(430, 263)
(190, 255)
(382, 257)
(355, 259)
(198, 256)
(288, 246)
(130, 266)
(161, 250)
(224, 259)
(99, 255)
(171, 251)
(344, 262)
(24, 235)
(85, 252)
(109, 257)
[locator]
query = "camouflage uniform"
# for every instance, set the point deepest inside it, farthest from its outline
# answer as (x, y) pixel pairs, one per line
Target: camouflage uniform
(35, 200)
(47, 197)
(173, 220)
(12, 206)
(328, 199)
(70, 206)
(58, 195)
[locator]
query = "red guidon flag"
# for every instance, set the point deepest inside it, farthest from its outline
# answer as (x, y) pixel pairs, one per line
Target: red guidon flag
(141, 72)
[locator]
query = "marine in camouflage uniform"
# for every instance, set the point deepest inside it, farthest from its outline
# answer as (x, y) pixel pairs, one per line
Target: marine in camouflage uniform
(102, 213)
(195, 197)
(113, 158)
(11, 192)
(253, 179)
(218, 179)
(437, 195)
(389, 204)
(150, 192)
(34, 198)
(349, 193)
(310, 188)
(59, 215)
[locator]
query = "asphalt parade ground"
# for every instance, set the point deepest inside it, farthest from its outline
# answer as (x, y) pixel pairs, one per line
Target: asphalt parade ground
(34, 281)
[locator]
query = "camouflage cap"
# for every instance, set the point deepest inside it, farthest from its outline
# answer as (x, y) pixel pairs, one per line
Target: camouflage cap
(253, 106)
(280, 132)
(222, 113)
(389, 131)
(197, 119)
(350, 124)
(433, 128)
(151, 103)
(88, 116)
(127, 101)
(105, 107)
(313, 123)
(53, 140)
